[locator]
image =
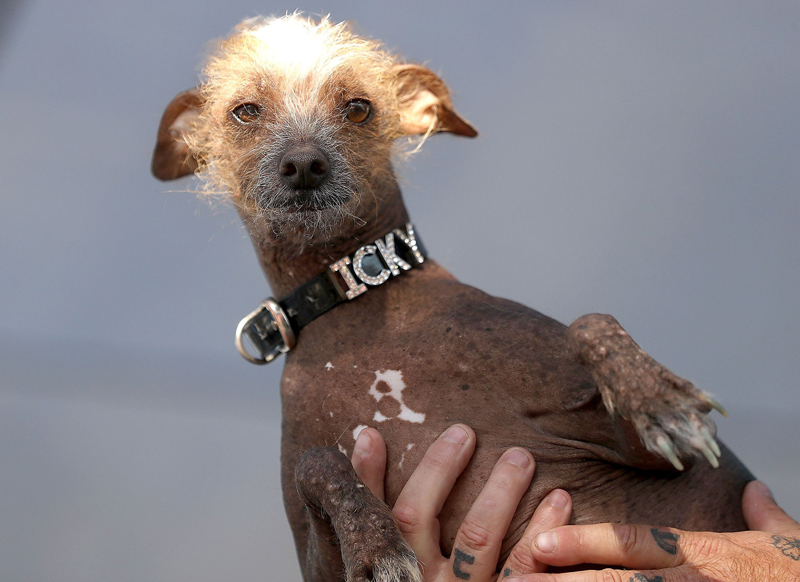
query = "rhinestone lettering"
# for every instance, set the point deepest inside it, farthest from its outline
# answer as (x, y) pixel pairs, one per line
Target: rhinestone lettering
(410, 241)
(354, 287)
(358, 258)
(386, 249)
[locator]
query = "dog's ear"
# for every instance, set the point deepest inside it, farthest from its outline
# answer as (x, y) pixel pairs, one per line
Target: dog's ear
(425, 104)
(173, 157)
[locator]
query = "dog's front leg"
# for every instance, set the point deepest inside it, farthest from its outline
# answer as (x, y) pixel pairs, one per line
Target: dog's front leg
(323, 557)
(668, 413)
(349, 527)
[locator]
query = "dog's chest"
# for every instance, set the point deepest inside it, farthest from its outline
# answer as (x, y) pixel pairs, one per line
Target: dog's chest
(410, 368)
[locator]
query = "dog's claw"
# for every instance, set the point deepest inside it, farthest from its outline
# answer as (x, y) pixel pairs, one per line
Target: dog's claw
(716, 405)
(669, 452)
(709, 455)
(712, 443)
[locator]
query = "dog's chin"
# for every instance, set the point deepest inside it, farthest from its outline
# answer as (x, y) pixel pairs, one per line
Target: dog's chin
(302, 217)
(307, 201)
(313, 202)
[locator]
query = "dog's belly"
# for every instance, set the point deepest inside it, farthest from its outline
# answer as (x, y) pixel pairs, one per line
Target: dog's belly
(411, 367)
(701, 498)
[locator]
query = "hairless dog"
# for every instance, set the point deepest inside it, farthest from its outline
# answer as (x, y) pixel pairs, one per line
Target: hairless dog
(297, 122)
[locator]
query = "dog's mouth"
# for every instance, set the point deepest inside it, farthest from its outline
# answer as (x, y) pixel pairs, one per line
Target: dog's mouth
(312, 200)
(287, 201)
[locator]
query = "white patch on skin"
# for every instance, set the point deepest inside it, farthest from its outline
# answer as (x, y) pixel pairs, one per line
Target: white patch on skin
(403, 456)
(463, 367)
(329, 366)
(342, 449)
(357, 430)
(394, 379)
(330, 414)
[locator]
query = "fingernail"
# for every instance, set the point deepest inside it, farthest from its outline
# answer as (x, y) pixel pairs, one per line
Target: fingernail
(558, 499)
(363, 444)
(456, 435)
(762, 488)
(547, 542)
(518, 458)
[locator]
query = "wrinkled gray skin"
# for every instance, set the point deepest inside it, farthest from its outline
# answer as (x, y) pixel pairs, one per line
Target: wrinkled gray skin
(463, 356)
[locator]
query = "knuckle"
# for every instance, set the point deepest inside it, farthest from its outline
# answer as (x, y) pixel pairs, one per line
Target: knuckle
(474, 536)
(609, 576)
(628, 538)
(437, 461)
(408, 518)
(733, 571)
(705, 546)
(506, 480)
(521, 561)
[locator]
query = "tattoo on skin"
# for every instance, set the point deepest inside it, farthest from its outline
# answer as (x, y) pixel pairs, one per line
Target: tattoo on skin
(507, 572)
(643, 578)
(667, 541)
(461, 558)
(789, 547)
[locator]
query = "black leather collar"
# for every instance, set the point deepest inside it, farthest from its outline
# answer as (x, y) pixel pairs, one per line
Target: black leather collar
(272, 329)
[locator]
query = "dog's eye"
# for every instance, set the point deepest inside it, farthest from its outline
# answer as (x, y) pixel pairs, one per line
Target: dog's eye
(247, 112)
(358, 110)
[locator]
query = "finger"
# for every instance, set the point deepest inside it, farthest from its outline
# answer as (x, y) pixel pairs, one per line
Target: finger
(369, 460)
(423, 496)
(682, 574)
(478, 540)
(553, 511)
(762, 513)
(629, 546)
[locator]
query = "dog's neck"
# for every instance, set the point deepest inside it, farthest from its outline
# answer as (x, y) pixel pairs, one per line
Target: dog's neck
(286, 267)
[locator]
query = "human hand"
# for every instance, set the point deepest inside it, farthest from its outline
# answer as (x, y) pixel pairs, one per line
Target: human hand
(477, 545)
(671, 555)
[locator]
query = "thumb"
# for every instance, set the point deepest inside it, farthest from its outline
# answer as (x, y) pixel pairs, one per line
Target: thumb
(369, 460)
(762, 513)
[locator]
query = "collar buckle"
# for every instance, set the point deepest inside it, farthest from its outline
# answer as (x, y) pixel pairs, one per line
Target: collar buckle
(271, 331)
(268, 331)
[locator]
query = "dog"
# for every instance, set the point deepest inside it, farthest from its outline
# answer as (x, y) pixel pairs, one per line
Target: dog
(298, 122)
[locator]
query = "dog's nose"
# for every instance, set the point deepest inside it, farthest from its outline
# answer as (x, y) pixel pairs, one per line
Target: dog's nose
(304, 166)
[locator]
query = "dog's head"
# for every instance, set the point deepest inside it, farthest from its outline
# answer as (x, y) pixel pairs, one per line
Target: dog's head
(296, 121)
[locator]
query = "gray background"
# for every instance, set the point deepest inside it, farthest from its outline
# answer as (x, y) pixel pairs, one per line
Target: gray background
(636, 158)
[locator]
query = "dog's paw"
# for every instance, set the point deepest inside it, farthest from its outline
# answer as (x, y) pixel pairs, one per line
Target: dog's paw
(675, 423)
(389, 564)
(400, 567)
(668, 412)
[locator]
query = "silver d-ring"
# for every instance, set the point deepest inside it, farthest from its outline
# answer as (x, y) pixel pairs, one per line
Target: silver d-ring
(244, 325)
(268, 315)
(282, 323)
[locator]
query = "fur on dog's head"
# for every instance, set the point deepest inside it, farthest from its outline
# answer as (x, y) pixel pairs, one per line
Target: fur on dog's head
(296, 120)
